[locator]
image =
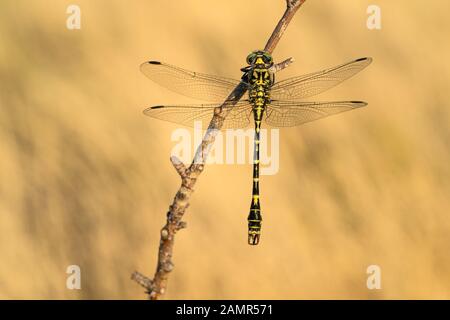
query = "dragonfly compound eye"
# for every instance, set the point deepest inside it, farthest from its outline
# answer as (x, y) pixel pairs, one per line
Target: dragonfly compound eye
(267, 58)
(251, 58)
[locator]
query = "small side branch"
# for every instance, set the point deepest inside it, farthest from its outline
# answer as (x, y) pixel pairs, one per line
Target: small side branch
(142, 280)
(282, 65)
(156, 287)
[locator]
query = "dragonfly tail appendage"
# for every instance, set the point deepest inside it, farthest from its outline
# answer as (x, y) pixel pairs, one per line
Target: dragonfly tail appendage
(254, 227)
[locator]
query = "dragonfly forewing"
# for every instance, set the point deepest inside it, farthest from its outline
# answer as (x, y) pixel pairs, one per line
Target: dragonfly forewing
(189, 83)
(312, 84)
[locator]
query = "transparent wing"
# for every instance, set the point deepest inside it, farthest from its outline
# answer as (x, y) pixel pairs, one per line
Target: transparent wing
(237, 117)
(191, 84)
(314, 83)
(291, 113)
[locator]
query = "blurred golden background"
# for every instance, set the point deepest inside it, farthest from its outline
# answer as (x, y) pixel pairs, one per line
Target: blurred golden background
(85, 177)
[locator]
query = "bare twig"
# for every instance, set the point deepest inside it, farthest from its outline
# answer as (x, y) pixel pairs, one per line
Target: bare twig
(157, 286)
(291, 8)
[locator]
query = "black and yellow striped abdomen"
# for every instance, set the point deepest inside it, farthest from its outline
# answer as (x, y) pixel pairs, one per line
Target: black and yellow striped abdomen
(260, 80)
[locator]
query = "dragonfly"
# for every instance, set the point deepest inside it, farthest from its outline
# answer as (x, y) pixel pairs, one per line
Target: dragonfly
(276, 104)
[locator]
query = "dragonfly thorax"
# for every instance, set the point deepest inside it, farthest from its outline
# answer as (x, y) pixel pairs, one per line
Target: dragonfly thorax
(260, 80)
(260, 76)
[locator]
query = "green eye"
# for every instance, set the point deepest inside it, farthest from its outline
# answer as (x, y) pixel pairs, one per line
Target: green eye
(251, 58)
(267, 57)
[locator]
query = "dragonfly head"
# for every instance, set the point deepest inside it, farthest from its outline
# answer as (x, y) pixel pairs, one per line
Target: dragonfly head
(260, 59)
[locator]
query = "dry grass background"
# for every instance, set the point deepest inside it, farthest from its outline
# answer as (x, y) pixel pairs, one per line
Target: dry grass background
(85, 177)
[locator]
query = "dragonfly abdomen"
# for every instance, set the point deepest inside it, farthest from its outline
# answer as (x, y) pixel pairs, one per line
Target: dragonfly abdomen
(254, 217)
(259, 96)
